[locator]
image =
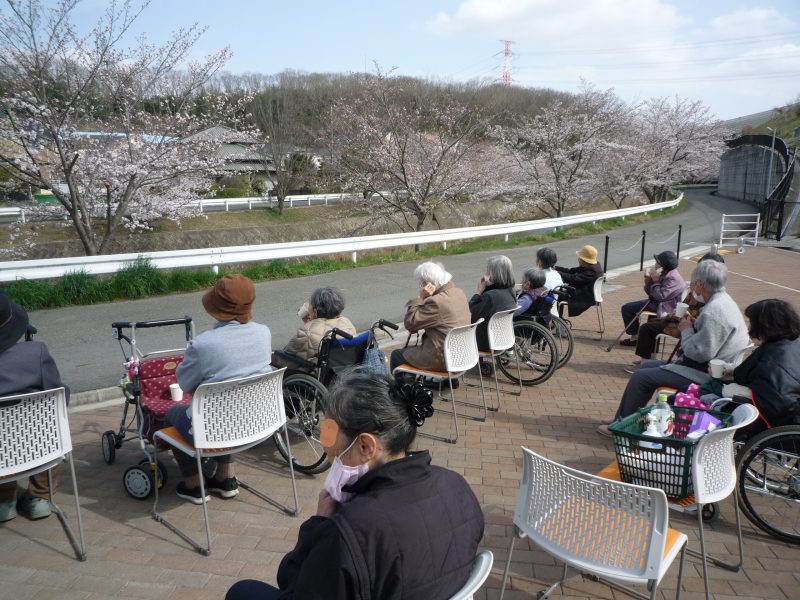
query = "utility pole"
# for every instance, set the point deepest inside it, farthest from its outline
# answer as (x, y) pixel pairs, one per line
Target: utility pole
(507, 54)
(771, 156)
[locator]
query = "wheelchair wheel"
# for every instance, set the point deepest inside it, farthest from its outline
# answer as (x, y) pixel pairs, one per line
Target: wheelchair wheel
(768, 469)
(138, 482)
(537, 351)
(303, 397)
(562, 334)
(710, 512)
(109, 444)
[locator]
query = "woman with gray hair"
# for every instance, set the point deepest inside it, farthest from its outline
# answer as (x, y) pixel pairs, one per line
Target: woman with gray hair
(438, 307)
(719, 332)
(495, 293)
(320, 314)
(388, 523)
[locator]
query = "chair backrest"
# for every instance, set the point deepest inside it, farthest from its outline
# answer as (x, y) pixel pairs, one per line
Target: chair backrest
(481, 568)
(236, 412)
(605, 527)
(461, 348)
(713, 464)
(34, 430)
(500, 330)
(597, 289)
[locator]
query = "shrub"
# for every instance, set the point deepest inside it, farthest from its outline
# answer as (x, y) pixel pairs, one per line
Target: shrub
(80, 288)
(189, 281)
(32, 294)
(138, 279)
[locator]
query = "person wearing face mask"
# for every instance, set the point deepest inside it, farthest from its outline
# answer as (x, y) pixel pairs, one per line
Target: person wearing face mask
(664, 287)
(389, 525)
(438, 307)
(495, 293)
(534, 286)
(770, 377)
(719, 332)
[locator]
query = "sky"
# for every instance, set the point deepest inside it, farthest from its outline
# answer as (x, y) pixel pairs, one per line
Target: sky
(737, 56)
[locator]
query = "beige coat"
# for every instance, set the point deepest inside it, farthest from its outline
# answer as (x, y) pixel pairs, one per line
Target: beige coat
(305, 343)
(437, 315)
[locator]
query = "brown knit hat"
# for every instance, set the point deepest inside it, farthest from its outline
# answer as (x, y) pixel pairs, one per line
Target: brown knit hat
(231, 299)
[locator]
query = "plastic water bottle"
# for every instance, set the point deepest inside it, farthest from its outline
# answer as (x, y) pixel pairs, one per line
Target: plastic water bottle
(651, 431)
(663, 415)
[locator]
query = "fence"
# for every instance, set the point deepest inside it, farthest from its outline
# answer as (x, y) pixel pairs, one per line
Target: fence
(291, 201)
(736, 230)
(214, 257)
(12, 215)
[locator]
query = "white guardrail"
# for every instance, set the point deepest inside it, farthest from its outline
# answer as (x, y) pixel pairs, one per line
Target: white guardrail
(214, 257)
(291, 201)
(12, 215)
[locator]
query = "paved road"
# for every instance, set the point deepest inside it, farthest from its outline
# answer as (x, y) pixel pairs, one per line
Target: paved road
(89, 358)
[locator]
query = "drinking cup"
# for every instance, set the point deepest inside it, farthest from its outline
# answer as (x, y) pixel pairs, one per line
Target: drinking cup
(717, 367)
(680, 309)
(176, 392)
(303, 312)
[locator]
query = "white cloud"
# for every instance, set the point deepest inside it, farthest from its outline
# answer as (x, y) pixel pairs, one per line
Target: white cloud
(751, 22)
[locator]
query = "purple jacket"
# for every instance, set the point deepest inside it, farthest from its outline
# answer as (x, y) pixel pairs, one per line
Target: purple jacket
(665, 293)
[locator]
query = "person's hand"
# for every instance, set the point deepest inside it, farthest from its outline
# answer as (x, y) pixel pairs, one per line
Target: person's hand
(671, 329)
(481, 285)
(686, 322)
(326, 505)
(426, 290)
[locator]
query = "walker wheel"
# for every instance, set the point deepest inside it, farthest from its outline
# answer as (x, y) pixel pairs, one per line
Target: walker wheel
(740, 250)
(162, 471)
(710, 512)
(109, 444)
(138, 482)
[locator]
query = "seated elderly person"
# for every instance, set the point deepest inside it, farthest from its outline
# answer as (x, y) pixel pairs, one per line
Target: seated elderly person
(582, 278)
(534, 286)
(389, 524)
(646, 340)
(664, 287)
(25, 367)
(438, 307)
(495, 293)
(235, 347)
(770, 377)
(546, 259)
(323, 313)
(719, 332)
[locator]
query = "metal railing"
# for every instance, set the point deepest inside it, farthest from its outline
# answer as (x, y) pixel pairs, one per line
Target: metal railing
(12, 215)
(214, 257)
(290, 201)
(738, 230)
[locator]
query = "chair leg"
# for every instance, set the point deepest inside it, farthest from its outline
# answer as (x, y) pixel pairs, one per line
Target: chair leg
(508, 566)
(734, 568)
(289, 511)
(680, 574)
(159, 518)
(496, 387)
(473, 404)
(78, 546)
(703, 550)
(601, 320)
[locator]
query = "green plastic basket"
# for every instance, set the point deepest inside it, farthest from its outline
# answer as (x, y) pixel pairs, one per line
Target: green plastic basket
(668, 468)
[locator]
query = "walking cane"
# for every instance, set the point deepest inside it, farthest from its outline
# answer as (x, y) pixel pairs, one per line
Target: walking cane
(628, 324)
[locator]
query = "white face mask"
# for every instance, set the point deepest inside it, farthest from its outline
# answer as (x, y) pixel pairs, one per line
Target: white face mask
(487, 280)
(659, 271)
(698, 297)
(341, 475)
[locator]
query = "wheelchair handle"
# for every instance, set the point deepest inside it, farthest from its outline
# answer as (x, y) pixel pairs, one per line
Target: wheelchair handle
(339, 333)
(30, 331)
(147, 324)
(384, 323)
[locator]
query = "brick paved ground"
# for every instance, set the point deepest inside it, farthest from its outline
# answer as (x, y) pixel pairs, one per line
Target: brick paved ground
(131, 556)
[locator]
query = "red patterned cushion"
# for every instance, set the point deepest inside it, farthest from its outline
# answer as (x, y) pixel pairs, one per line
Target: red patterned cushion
(155, 377)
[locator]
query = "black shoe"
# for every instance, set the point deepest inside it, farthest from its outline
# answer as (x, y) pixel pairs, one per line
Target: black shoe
(227, 488)
(193, 495)
(628, 342)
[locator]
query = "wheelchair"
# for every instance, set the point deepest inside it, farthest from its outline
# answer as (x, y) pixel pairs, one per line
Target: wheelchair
(305, 390)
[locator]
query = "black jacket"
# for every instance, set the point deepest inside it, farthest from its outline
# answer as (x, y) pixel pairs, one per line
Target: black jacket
(772, 372)
(492, 300)
(28, 367)
(582, 279)
(410, 532)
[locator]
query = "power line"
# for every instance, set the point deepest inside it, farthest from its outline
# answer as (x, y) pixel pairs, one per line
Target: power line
(704, 78)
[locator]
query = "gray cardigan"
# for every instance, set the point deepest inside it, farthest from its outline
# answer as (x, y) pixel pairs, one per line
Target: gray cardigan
(719, 332)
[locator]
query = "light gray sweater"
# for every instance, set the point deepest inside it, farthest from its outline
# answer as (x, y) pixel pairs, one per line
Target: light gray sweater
(719, 332)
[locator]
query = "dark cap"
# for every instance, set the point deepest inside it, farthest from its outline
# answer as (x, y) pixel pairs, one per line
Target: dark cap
(667, 259)
(13, 322)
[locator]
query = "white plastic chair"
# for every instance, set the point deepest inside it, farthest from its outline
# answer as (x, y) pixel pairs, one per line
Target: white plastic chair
(609, 529)
(500, 330)
(480, 571)
(714, 478)
(229, 417)
(460, 355)
(597, 289)
(34, 437)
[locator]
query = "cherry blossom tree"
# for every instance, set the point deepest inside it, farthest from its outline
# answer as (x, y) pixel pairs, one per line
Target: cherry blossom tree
(679, 141)
(411, 151)
(102, 125)
(557, 148)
